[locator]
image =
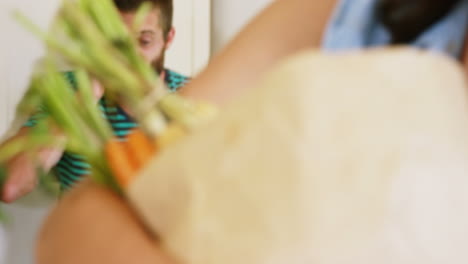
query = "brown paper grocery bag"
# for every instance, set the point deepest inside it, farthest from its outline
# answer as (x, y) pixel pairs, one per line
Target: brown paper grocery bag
(358, 157)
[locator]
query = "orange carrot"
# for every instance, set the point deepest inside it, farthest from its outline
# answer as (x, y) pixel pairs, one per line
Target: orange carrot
(140, 147)
(119, 162)
(126, 158)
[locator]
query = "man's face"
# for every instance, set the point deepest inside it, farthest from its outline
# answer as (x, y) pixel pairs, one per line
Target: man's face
(151, 41)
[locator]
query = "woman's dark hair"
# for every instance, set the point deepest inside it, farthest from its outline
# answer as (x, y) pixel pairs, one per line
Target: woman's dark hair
(407, 19)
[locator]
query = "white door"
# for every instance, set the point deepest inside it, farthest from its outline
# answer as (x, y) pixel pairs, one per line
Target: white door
(191, 49)
(18, 53)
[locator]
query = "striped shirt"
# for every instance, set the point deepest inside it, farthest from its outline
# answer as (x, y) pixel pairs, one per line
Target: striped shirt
(72, 167)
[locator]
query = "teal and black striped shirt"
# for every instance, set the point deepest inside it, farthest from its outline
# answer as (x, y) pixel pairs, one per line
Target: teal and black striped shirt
(72, 167)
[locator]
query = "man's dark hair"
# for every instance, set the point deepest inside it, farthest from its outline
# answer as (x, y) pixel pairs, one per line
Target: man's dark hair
(165, 6)
(407, 19)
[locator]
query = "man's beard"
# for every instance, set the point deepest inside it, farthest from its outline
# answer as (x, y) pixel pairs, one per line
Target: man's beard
(158, 64)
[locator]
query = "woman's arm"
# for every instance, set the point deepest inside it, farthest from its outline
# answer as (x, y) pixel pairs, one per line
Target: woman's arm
(92, 225)
(287, 26)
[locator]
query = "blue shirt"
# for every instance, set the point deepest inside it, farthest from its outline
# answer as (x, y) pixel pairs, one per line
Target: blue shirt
(355, 25)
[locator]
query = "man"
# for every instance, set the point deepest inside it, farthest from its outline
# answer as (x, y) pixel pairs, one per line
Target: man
(154, 37)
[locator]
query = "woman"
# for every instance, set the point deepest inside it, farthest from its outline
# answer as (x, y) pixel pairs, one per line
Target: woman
(121, 238)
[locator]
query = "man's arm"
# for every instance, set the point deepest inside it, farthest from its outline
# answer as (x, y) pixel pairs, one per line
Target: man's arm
(21, 170)
(92, 225)
(286, 27)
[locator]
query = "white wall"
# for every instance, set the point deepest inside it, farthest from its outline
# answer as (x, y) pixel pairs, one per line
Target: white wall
(229, 16)
(18, 51)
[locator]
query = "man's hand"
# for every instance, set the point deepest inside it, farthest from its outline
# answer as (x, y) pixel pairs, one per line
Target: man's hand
(22, 170)
(20, 180)
(92, 225)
